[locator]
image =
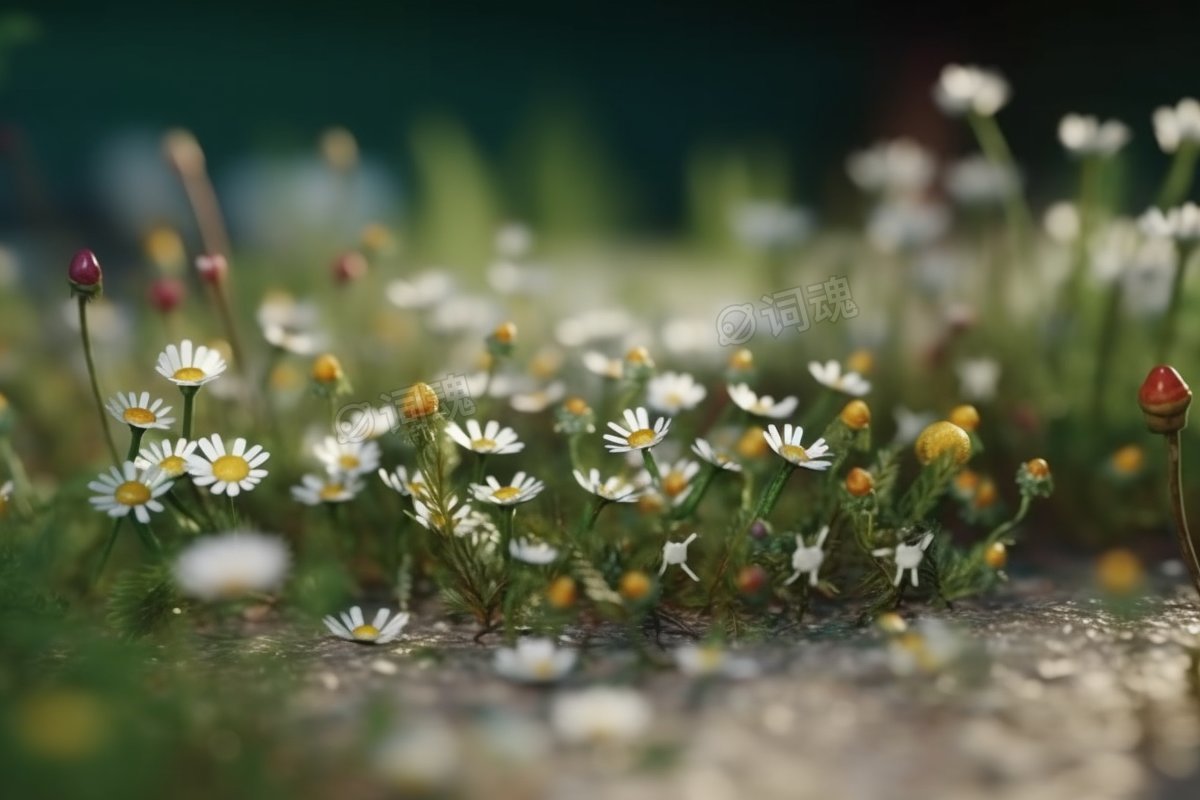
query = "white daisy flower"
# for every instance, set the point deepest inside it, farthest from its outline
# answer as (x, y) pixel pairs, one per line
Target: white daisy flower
(1088, 136)
(538, 400)
(479, 529)
(788, 447)
(718, 458)
(907, 224)
(614, 489)
(639, 435)
(1177, 125)
(453, 521)
(900, 166)
(600, 715)
(347, 458)
(352, 626)
(807, 560)
(534, 660)
(291, 325)
(970, 90)
(764, 406)
(314, 490)
(1146, 283)
(521, 489)
(139, 412)
(710, 660)
(400, 481)
(1181, 224)
(172, 459)
(908, 558)
(830, 375)
(188, 366)
(594, 325)
(600, 364)
(768, 225)
(530, 552)
(490, 439)
(423, 290)
(232, 472)
(978, 181)
(128, 489)
(672, 392)
(676, 553)
(977, 378)
(232, 564)
(676, 481)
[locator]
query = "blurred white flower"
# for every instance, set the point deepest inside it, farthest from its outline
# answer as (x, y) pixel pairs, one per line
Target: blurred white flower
(718, 458)
(599, 364)
(538, 400)
(970, 90)
(901, 225)
(807, 559)
(1088, 136)
(401, 482)
(1146, 283)
(291, 325)
(509, 278)
(534, 660)
(977, 378)
(899, 166)
(1061, 222)
(1181, 223)
(423, 290)
(929, 647)
(768, 225)
(830, 376)
(514, 240)
(1177, 125)
(531, 552)
(672, 392)
(591, 326)
(421, 760)
(347, 458)
(765, 406)
(464, 313)
(1113, 249)
(712, 660)
(315, 490)
(614, 489)
(908, 558)
(231, 564)
(977, 181)
(489, 439)
(600, 715)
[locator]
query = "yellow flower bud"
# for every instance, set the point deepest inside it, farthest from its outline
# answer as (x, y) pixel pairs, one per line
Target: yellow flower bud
(943, 437)
(996, 556)
(1038, 468)
(326, 369)
(562, 592)
(861, 361)
(1119, 571)
(505, 333)
(965, 417)
(859, 482)
(635, 585)
(420, 401)
(856, 415)
(743, 359)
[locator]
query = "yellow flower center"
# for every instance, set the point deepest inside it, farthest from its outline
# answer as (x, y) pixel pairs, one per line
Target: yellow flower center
(640, 438)
(416, 487)
(544, 669)
(173, 466)
(674, 483)
(506, 493)
(793, 452)
(367, 633)
(349, 462)
(674, 399)
(132, 493)
(189, 374)
(331, 491)
(139, 416)
(483, 445)
(710, 659)
(230, 469)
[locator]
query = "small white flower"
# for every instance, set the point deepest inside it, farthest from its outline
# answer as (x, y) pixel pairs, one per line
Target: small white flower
(600, 715)
(638, 435)
(710, 660)
(233, 472)
(128, 489)
(1177, 125)
(764, 406)
(534, 660)
(489, 439)
(676, 481)
(672, 392)
(423, 290)
(513, 241)
(530, 552)
(190, 366)
(903, 225)
(231, 564)
(907, 557)
(138, 412)
(290, 325)
(970, 90)
(717, 458)
(787, 446)
(978, 378)
(614, 489)
(676, 553)
(331, 488)
(765, 225)
(353, 627)
(1061, 222)
(347, 458)
(807, 560)
(521, 489)
(172, 459)
(599, 364)
(909, 424)
(830, 375)
(594, 325)
(454, 520)
(539, 399)
(400, 481)
(1088, 136)
(979, 181)
(1181, 224)
(1146, 283)
(900, 166)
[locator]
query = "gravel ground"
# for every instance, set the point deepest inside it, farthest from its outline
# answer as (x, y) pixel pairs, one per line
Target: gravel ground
(1037, 692)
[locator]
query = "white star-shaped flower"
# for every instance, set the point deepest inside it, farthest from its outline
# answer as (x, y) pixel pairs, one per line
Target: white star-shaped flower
(908, 557)
(807, 560)
(676, 553)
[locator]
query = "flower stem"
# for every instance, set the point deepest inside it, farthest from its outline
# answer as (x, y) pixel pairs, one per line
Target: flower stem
(1175, 483)
(149, 540)
(108, 546)
(189, 398)
(510, 516)
(91, 368)
(697, 493)
(135, 441)
(1171, 320)
(995, 147)
(770, 495)
(1106, 345)
(652, 466)
(1179, 178)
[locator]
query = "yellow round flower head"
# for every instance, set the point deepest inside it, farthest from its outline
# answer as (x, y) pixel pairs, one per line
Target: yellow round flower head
(326, 369)
(505, 333)
(860, 361)
(1119, 571)
(635, 585)
(742, 360)
(562, 592)
(943, 437)
(965, 417)
(856, 415)
(996, 556)
(420, 401)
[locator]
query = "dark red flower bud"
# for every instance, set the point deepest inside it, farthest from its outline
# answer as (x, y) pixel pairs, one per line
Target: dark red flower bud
(1164, 398)
(84, 269)
(212, 268)
(166, 294)
(349, 267)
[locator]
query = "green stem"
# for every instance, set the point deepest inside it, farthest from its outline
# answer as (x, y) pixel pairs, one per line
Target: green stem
(149, 540)
(697, 493)
(995, 147)
(510, 516)
(1171, 320)
(1004, 528)
(590, 522)
(770, 495)
(189, 399)
(1187, 545)
(91, 368)
(1178, 181)
(1106, 346)
(652, 466)
(1089, 180)
(108, 547)
(135, 441)
(177, 504)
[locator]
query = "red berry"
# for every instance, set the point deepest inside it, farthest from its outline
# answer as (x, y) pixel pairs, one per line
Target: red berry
(166, 294)
(349, 267)
(84, 269)
(751, 579)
